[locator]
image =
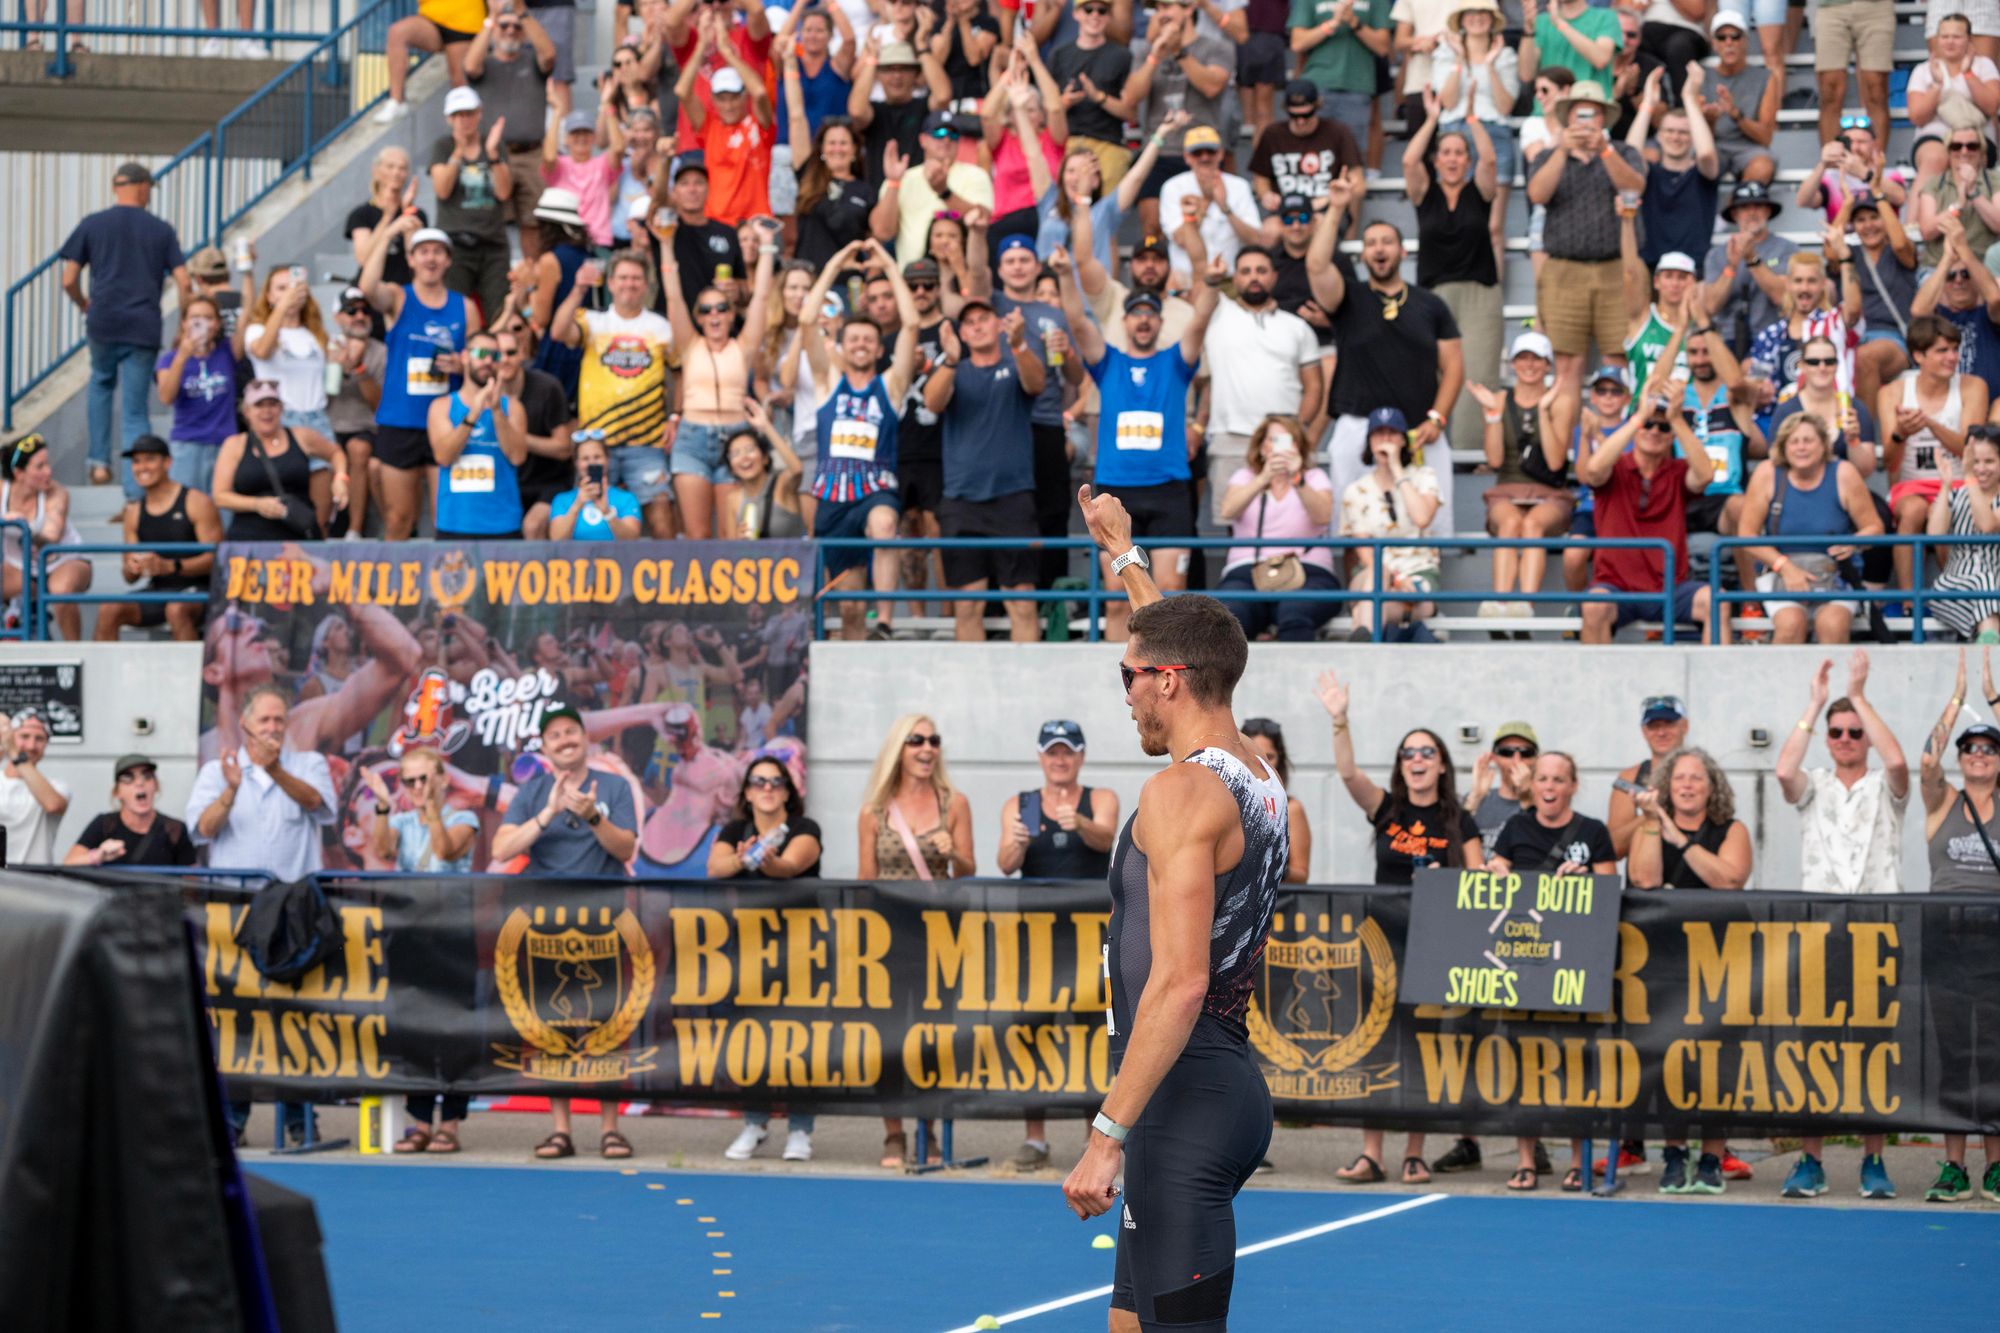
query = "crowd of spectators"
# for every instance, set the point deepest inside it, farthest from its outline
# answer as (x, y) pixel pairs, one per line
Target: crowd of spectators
(878, 268)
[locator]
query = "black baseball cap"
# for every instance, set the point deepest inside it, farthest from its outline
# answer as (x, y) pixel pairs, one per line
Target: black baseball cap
(692, 160)
(127, 762)
(940, 123)
(1060, 731)
(353, 298)
(1140, 301)
(1978, 731)
(149, 444)
(1294, 203)
(925, 268)
(132, 173)
(556, 714)
(973, 303)
(1152, 241)
(1302, 90)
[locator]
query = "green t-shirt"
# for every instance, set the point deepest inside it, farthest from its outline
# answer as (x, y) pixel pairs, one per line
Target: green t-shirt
(1555, 48)
(1341, 64)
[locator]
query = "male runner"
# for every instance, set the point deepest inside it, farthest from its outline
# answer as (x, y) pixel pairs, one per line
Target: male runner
(1194, 880)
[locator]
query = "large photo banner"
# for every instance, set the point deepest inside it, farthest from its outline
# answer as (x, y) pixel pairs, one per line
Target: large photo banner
(1738, 1012)
(686, 659)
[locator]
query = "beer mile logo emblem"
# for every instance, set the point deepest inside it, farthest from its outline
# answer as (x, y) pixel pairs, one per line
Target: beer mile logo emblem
(576, 988)
(453, 581)
(1320, 1007)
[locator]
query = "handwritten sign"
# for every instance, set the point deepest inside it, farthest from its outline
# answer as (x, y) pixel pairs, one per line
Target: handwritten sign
(1526, 940)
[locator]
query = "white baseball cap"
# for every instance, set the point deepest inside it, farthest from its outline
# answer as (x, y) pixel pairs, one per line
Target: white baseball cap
(1728, 18)
(1673, 261)
(424, 235)
(1528, 341)
(461, 99)
(726, 80)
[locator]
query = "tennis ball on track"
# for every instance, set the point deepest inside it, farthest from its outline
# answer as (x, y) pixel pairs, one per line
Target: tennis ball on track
(1103, 1243)
(986, 1321)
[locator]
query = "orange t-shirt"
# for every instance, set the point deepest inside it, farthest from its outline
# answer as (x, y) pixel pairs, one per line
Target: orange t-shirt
(739, 168)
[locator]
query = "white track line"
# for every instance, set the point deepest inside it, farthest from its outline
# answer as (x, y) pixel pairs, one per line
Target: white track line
(1293, 1238)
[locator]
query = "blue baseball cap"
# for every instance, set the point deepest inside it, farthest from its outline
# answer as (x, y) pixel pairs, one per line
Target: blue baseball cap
(1662, 708)
(1388, 418)
(1014, 241)
(1060, 732)
(1617, 375)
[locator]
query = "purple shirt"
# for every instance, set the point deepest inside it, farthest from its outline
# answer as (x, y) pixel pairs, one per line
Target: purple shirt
(205, 408)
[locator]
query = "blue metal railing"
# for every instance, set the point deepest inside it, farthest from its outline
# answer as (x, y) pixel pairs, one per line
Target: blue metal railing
(17, 536)
(1918, 596)
(44, 599)
(1094, 595)
(163, 27)
(204, 189)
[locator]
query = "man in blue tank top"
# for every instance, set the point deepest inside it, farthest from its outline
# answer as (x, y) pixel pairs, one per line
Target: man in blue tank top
(855, 482)
(428, 325)
(1194, 881)
(1142, 436)
(479, 438)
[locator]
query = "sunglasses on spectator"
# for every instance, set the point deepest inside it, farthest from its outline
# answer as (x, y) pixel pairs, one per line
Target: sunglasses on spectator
(509, 353)
(1959, 274)
(712, 308)
(778, 784)
(505, 26)
(1130, 674)
(415, 779)
(1958, 147)
(1856, 123)
(482, 354)
(1092, 9)
(1203, 152)
(1618, 390)
(923, 285)
(1819, 361)
(1301, 112)
(1983, 748)
(1418, 752)
(917, 741)
(1662, 427)
(1515, 751)
(1300, 218)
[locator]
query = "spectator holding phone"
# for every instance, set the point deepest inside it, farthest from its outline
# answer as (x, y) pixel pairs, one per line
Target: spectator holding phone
(197, 378)
(593, 510)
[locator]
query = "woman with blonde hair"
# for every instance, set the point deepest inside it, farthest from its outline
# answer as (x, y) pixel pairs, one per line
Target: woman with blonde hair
(1804, 491)
(284, 337)
(1275, 495)
(914, 825)
(389, 193)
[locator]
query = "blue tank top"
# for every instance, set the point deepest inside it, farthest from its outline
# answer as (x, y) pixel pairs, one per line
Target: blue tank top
(1142, 426)
(825, 95)
(1810, 513)
(857, 442)
(1715, 426)
(419, 334)
(479, 493)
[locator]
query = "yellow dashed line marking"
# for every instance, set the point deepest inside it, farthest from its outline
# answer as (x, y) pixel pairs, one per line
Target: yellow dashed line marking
(714, 1235)
(725, 1294)
(682, 1202)
(655, 1186)
(722, 1272)
(723, 1254)
(704, 1219)
(628, 1170)
(710, 1314)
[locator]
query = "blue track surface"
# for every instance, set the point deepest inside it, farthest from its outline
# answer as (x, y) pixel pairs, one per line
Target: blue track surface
(420, 1245)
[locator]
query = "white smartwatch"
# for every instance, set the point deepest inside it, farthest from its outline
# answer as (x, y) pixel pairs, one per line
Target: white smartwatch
(1109, 1128)
(1135, 556)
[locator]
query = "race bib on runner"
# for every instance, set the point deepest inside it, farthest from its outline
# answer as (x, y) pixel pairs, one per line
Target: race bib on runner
(472, 476)
(421, 381)
(853, 440)
(1141, 430)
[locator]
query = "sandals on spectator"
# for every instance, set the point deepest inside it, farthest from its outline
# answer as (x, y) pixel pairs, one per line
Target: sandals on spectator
(614, 1145)
(1415, 1172)
(1363, 1170)
(1573, 1181)
(415, 1139)
(1524, 1180)
(895, 1151)
(443, 1141)
(555, 1145)
(100, 475)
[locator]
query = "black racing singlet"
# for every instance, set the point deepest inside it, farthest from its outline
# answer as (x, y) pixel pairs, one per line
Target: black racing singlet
(1244, 901)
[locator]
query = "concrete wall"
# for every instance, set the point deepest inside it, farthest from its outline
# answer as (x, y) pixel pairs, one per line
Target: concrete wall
(144, 700)
(989, 699)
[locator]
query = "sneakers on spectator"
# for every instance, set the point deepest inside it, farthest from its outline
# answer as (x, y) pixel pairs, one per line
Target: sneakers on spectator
(1735, 1168)
(1464, 1156)
(1543, 1167)
(1521, 610)
(1631, 1160)
(1493, 610)
(1990, 1185)
(798, 1146)
(211, 48)
(391, 112)
(1673, 1170)
(747, 1143)
(1032, 1156)
(249, 48)
(1806, 1179)
(1875, 1182)
(1951, 1185)
(1707, 1177)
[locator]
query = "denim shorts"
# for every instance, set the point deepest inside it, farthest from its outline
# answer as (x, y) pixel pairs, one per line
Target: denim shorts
(1886, 335)
(699, 451)
(642, 470)
(193, 464)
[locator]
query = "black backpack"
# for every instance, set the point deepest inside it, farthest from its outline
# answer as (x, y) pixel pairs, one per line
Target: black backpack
(289, 930)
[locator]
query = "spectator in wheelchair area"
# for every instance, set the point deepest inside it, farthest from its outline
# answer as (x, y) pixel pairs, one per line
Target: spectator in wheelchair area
(134, 833)
(166, 511)
(1806, 491)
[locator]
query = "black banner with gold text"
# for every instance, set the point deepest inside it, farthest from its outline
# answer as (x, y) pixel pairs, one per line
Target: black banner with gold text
(1737, 1012)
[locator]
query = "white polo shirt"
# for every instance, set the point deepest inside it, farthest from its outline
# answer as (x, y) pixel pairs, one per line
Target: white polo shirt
(1253, 365)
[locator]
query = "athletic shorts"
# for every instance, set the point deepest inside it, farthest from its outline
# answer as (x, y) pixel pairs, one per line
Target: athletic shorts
(849, 520)
(404, 449)
(921, 482)
(1161, 511)
(1164, 169)
(1925, 487)
(1003, 516)
(1704, 513)
(1263, 60)
(1199, 1139)
(154, 614)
